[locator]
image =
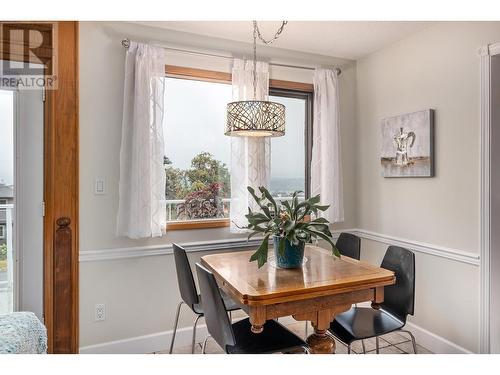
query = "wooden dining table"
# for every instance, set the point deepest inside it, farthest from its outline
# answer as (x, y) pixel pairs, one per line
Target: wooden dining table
(322, 288)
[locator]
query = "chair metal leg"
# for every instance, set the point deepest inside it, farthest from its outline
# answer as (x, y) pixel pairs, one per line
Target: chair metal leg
(307, 328)
(203, 349)
(193, 342)
(413, 342)
(363, 345)
(175, 326)
(349, 348)
(377, 345)
(230, 316)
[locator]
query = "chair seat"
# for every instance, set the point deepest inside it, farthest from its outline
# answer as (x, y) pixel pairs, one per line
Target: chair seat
(362, 323)
(274, 338)
(228, 302)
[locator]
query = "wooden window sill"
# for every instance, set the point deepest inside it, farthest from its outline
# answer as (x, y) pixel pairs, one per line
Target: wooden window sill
(198, 224)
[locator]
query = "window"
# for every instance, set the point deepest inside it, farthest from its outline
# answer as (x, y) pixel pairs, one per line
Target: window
(197, 153)
(3, 201)
(290, 154)
(2, 231)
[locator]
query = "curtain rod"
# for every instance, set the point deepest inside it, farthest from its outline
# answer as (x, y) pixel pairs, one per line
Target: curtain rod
(126, 45)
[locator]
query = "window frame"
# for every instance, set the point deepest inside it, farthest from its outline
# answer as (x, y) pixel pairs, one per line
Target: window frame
(282, 88)
(308, 97)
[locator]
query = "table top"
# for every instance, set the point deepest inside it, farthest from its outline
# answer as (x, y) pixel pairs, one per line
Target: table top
(322, 274)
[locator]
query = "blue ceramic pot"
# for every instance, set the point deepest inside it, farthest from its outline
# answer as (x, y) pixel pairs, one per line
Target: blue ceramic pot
(293, 255)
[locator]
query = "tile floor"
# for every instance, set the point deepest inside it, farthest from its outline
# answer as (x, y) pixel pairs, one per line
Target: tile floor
(401, 344)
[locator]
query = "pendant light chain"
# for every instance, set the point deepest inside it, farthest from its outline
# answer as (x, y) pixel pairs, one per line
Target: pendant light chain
(256, 33)
(255, 28)
(276, 36)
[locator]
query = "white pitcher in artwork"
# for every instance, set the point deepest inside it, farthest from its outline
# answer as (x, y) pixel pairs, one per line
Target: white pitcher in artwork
(403, 144)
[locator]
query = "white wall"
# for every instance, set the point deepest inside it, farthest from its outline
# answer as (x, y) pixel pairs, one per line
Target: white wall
(141, 293)
(435, 68)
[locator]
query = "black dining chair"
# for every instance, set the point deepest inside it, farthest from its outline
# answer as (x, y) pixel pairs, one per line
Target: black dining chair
(349, 245)
(399, 299)
(189, 294)
(238, 338)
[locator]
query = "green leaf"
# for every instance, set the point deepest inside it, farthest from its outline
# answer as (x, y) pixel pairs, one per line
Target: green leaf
(256, 221)
(281, 246)
(313, 200)
(256, 215)
(252, 192)
(306, 211)
(323, 228)
(301, 235)
(261, 254)
(289, 225)
(260, 229)
(322, 208)
(304, 205)
(269, 197)
(320, 220)
(295, 201)
(254, 196)
(328, 239)
(267, 212)
(288, 208)
(253, 234)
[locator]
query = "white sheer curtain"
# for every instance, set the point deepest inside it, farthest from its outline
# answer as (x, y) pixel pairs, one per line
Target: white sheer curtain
(326, 167)
(141, 210)
(250, 157)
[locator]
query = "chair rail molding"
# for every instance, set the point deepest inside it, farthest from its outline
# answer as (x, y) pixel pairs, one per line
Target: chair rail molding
(242, 243)
(420, 247)
(166, 249)
(144, 251)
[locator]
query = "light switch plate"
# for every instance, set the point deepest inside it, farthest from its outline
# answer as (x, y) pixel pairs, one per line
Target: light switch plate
(99, 186)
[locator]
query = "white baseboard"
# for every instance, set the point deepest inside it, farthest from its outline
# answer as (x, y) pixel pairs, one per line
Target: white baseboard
(429, 340)
(161, 341)
(154, 342)
(433, 342)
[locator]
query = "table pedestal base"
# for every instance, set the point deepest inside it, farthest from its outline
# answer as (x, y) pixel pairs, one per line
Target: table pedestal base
(257, 329)
(321, 343)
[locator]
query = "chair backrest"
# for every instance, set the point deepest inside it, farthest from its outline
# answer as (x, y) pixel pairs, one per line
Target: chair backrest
(185, 279)
(399, 299)
(218, 324)
(349, 245)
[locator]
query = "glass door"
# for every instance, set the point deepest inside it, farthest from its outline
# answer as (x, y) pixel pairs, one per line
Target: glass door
(7, 255)
(21, 200)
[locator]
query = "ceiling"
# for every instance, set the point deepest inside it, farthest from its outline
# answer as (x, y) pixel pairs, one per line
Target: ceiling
(344, 39)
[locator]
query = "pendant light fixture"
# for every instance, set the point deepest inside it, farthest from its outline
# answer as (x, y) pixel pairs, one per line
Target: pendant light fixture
(256, 118)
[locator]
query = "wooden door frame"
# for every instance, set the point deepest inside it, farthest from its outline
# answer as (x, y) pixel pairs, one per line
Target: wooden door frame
(61, 196)
(59, 50)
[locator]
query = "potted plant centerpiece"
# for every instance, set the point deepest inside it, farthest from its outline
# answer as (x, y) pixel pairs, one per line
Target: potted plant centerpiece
(290, 225)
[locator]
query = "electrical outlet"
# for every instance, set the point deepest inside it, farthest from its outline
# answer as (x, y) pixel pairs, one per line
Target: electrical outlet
(100, 312)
